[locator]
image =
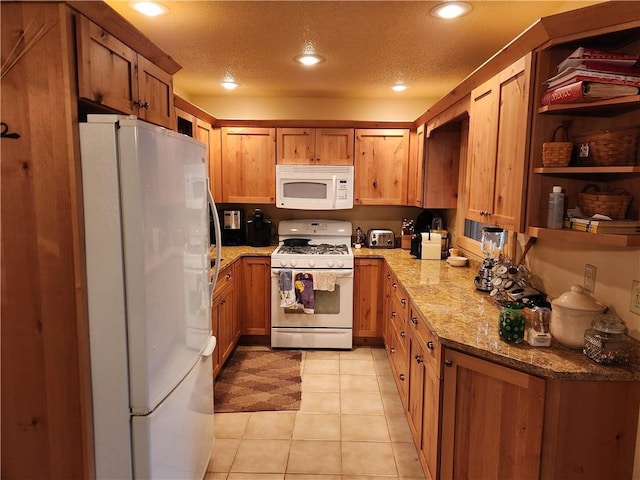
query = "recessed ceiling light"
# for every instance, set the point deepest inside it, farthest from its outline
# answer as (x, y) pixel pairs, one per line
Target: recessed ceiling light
(230, 84)
(150, 9)
(399, 87)
(451, 9)
(309, 59)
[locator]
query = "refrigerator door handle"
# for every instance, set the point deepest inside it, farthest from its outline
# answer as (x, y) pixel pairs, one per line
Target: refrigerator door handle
(208, 349)
(216, 222)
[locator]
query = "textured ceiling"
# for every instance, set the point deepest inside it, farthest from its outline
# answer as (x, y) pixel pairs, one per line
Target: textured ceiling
(368, 45)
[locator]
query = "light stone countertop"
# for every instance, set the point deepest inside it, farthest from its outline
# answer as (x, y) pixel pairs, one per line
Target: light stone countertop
(466, 319)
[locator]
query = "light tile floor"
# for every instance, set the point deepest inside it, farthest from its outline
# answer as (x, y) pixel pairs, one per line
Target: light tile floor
(350, 426)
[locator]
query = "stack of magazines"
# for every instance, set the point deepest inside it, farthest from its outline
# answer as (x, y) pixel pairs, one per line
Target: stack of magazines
(590, 74)
(620, 227)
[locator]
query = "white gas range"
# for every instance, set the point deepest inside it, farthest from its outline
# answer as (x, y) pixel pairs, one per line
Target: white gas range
(312, 285)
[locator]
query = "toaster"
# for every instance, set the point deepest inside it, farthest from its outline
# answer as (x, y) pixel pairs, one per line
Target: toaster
(378, 238)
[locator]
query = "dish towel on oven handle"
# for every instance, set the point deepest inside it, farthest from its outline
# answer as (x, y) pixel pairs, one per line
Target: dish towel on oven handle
(304, 291)
(287, 293)
(324, 281)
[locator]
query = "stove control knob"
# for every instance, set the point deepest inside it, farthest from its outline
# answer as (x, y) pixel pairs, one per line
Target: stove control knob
(340, 263)
(329, 263)
(312, 263)
(293, 263)
(283, 263)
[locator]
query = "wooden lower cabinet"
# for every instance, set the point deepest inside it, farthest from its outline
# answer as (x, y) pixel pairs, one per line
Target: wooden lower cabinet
(225, 316)
(492, 418)
(367, 298)
(255, 295)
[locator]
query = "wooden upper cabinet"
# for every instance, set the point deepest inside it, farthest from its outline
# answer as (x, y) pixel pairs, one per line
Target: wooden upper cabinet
(415, 180)
(112, 74)
(381, 166)
(498, 147)
(315, 146)
(248, 165)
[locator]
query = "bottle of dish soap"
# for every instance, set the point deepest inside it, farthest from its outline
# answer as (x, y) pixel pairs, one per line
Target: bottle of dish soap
(556, 208)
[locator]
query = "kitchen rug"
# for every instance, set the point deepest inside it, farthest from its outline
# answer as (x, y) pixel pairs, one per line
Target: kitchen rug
(254, 381)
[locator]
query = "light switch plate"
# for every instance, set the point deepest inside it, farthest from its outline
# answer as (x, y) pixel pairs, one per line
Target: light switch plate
(590, 278)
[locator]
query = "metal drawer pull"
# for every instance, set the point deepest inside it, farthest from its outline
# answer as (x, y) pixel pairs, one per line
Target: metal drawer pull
(392, 350)
(402, 376)
(402, 334)
(394, 285)
(403, 301)
(418, 359)
(448, 363)
(430, 345)
(393, 314)
(414, 320)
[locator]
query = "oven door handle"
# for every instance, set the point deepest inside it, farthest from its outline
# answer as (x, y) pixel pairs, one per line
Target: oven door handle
(343, 273)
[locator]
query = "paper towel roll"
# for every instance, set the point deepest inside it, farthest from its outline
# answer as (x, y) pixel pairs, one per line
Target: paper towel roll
(431, 246)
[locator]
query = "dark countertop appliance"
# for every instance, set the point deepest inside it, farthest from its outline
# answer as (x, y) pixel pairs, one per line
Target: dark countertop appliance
(258, 229)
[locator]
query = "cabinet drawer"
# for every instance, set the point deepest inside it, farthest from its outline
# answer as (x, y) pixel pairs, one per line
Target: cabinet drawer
(431, 346)
(225, 278)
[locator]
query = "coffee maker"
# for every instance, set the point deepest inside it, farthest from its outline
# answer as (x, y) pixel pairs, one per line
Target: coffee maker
(233, 228)
(493, 240)
(258, 229)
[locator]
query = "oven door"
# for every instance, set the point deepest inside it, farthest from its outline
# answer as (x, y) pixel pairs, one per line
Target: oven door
(331, 310)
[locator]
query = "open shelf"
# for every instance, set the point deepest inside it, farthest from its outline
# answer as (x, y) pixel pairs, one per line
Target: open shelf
(610, 106)
(573, 170)
(584, 237)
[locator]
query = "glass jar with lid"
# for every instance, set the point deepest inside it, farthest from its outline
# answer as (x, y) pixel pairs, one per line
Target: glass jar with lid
(606, 341)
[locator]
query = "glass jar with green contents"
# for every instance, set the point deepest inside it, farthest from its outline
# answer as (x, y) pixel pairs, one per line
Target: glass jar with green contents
(512, 322)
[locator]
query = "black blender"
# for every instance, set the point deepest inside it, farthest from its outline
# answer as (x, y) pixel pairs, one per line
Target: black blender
(493, 240)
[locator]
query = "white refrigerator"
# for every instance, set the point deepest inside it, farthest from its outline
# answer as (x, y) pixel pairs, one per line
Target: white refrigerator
(146, 201)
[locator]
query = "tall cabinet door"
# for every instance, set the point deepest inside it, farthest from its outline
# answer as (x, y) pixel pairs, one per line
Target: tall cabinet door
(155, 94)
(498, 147)
(248, 165)
(255, 294)
(367, 298)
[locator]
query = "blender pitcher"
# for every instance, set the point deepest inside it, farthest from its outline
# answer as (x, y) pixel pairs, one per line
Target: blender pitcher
(493, 240)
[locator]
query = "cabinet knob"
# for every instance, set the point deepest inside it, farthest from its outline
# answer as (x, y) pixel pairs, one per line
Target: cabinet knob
(403, 334)
(403, 301)
(448, 363)
(430, 345)
(414, 320)
(418, 359)
(228, 276)
(388, 276)
(394, 285)
(393, 314)
(392, 350)
(401, 376)
(142, 104)
(375, 184)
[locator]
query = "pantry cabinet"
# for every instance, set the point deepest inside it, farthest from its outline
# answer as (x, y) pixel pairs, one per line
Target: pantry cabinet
(255, 295)
(367, 298)
(613, 114)
(248, 163)
(381, 166)
(113, 75)
(498, 147)
(315, 146)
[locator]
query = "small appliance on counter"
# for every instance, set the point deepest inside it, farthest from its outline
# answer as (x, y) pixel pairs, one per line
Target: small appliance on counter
(493, 240)
(426, 245)
(258, 229)
(380, 238)
(232, 227)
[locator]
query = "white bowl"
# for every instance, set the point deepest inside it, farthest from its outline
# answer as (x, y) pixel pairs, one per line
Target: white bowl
(457, 261)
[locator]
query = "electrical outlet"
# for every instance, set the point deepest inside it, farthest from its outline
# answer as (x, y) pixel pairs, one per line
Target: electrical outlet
(635, 297)
(590, 277)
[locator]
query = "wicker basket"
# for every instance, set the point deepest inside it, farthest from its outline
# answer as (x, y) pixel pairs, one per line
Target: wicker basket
(612, 204)
(609, 147)
(556, 153)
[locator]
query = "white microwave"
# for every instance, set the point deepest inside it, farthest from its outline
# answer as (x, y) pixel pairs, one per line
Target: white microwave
(314, 187)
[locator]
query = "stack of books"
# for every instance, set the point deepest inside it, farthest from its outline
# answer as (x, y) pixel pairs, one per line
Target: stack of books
(589, 74)
(620, 227)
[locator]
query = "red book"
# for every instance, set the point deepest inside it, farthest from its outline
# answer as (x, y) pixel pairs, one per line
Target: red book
(585, 92)
(603, 56)
(607, 67)
(572, 75)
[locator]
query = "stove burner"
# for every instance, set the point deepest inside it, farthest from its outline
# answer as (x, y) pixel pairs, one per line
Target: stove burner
(321, 249)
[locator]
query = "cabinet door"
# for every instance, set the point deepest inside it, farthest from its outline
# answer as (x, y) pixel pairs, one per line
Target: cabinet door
(106, 68)
(334, 146)
(226, 314)
(430, 438)
(248, 165)
(381, 166)
(491, 420)
(204, 133)
(498, 147)
(296, 146)
(415, 186)
(367, 295)
(442, 164)
(155, 93)
(416, 386)
(256, 295)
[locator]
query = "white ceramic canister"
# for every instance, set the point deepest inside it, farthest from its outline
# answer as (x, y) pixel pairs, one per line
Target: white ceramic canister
(572, 314)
